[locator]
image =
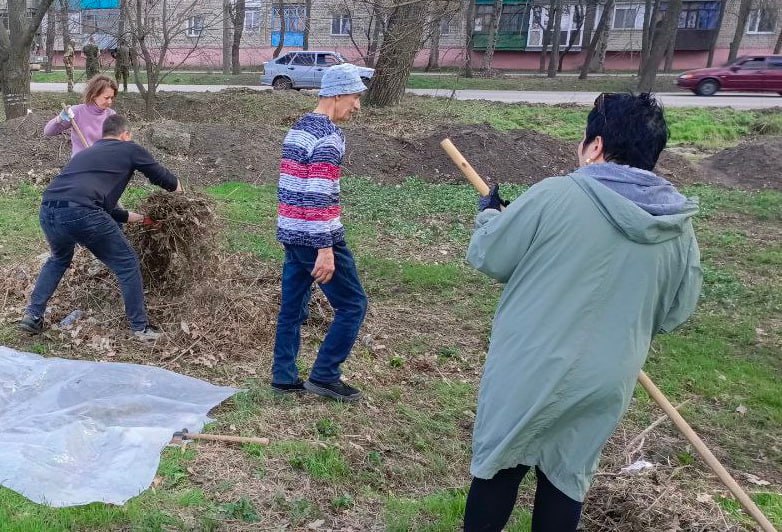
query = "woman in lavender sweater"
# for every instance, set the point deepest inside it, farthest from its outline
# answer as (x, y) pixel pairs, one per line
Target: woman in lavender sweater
(98, 98)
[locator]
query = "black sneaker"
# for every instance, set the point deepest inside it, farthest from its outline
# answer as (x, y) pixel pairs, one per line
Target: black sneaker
(295, 387)
(31, 324)
(334, 390)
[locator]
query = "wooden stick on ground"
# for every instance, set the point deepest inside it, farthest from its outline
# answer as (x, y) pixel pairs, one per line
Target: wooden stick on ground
(645, 381)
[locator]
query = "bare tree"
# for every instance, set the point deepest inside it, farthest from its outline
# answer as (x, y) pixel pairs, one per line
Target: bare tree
(370, 32)
(669, 51)
(469, 28)
(664, 30)
(745, 7)
(16, 38)
(778, 45)
(491, 43)
(154, 25)
(307, 25)
(402, 40)
(281, 13)
(556, 41)
(578, 19)
(227, 37)
(237, 18)
(434, 46)
(600, 32)
(716, 34)
(547, 32)
(51, 35)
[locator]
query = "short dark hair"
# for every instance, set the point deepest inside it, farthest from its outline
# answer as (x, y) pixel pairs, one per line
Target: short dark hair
(115, 125)
(632, 127)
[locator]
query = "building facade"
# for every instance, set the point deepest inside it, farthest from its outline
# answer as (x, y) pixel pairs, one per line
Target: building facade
(351, 27)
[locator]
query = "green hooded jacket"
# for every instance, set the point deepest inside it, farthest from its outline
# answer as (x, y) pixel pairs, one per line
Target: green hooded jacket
(590, 277)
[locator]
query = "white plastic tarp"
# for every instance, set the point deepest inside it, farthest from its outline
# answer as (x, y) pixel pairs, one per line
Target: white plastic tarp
(74, 432)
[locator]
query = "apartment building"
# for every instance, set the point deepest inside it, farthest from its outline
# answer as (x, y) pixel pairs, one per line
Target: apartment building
(349, 26)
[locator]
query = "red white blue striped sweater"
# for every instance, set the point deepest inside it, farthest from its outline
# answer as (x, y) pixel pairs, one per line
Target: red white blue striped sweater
(308, 213)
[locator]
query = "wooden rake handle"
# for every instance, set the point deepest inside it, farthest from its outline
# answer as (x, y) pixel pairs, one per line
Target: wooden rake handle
(653, 391)
(77, 129)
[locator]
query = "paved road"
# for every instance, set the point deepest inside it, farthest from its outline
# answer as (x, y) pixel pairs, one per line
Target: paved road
(672, 99)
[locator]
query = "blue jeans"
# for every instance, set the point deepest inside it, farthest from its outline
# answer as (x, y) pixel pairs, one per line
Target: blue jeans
(94, 229)
(346, 297)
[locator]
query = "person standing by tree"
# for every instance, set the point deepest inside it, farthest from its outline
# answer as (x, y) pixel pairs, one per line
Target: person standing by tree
(99, 95)
(91, 53)
(67, 59)
(309, 227)
(122, 65)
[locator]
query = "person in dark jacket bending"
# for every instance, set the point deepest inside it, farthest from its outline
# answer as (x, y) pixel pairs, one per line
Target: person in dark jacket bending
(80, 207)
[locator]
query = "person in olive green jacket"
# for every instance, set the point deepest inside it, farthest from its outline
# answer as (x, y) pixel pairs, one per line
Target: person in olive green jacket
(595, 264)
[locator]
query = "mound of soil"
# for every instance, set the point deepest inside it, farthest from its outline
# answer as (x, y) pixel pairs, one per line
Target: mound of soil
(754, 164)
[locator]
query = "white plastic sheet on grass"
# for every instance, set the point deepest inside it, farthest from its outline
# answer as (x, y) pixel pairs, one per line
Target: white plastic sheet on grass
(74, 432)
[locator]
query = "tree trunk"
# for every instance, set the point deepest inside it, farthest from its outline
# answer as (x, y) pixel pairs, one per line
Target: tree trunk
(547, 36)
(663, 33)
(646, 34)
(372, 48)
(227, 38)
(716, 34)
(469, 27)
(238, 25)
(590, 18)
(281, 7)
(669, 52)
(397, 53)
(556, 41)
(578, 15)
(602, 28)
(434, 48)
(741, 24)
(491, 43)
(15, 43)
(599, 61)
(51, 35)
(778, 45)
(66, 40)
(307, 14)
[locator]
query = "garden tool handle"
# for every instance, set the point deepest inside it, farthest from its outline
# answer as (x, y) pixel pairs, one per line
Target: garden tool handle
(715, 465)
(77, 129)
(653, 391)
(467, 169)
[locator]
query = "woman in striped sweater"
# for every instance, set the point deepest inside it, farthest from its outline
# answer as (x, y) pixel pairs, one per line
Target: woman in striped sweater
(309, 227)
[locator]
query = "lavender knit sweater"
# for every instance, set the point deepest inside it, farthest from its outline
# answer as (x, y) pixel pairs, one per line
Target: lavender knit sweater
(90, 119)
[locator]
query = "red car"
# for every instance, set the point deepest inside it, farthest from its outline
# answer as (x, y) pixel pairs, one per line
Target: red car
(754, 73)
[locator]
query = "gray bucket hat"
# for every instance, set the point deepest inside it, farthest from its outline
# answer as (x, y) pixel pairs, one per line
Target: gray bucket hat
(341, 79)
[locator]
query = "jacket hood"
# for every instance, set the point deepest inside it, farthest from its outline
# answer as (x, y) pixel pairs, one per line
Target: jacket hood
(643, 206)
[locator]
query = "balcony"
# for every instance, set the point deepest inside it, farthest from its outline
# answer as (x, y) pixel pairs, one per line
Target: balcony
(505, 41)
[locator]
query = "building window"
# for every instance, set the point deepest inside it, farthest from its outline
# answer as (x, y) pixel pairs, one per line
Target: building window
(483, 18)
(252, 20)
(628, 17)
(699, 15)
(195, 26)
(512, 18)
(340, 24)
(761, 21)
(295, 18)
(445, 25)
(571, 26)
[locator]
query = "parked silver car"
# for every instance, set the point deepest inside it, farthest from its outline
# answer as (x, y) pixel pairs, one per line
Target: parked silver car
(304, 70)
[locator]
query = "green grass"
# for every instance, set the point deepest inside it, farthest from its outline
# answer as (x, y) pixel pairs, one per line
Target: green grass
(319, 462)
(442, 511)
(595, 83)
(20, 232)
(704, 127)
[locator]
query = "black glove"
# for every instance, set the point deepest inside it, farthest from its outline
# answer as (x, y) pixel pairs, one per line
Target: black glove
(493, 200)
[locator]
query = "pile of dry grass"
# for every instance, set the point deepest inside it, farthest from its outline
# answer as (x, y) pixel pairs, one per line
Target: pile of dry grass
(180, 246)
(226, 315)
